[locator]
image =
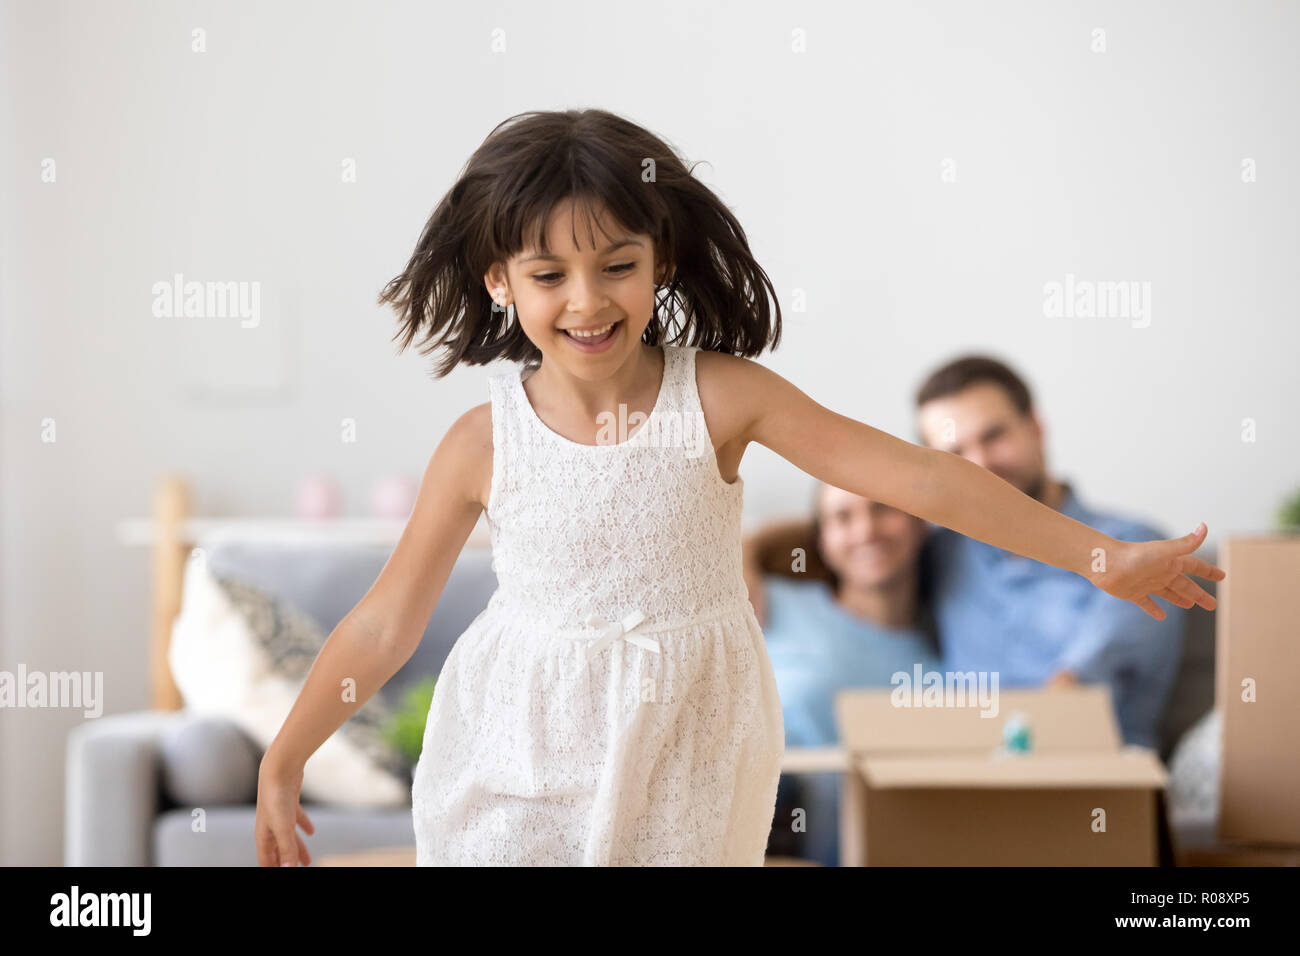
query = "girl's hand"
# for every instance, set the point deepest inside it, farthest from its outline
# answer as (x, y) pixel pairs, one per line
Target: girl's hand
(278, 810)
(1160, 568)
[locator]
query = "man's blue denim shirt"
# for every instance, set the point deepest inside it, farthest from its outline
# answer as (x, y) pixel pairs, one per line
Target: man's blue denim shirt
(998, 611)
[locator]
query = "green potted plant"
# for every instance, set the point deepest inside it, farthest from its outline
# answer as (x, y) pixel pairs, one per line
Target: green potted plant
(1288, 515)
(404, 729)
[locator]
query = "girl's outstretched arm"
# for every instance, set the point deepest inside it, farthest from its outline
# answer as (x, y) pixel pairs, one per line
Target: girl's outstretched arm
(759, 405)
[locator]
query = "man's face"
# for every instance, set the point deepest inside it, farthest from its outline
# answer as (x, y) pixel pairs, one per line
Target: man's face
(982, 424)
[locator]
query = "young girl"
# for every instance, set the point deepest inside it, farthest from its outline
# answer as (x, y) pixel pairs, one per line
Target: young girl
(614, 702)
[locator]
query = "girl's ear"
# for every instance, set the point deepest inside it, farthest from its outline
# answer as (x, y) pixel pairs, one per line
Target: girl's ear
(495, 278)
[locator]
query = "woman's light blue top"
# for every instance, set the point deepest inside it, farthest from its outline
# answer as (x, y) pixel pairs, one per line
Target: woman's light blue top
(818, 648)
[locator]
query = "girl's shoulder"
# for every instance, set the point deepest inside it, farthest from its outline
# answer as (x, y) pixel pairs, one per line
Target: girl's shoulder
(467, 452)
(730, 389)
(720, 366)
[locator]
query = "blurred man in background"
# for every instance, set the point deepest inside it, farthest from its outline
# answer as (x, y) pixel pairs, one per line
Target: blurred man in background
(1034, 624)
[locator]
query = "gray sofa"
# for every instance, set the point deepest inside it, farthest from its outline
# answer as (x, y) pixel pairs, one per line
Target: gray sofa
(134, 779)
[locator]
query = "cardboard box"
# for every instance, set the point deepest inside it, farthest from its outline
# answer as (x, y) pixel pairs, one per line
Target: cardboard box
(929, 786)
(1258, 655)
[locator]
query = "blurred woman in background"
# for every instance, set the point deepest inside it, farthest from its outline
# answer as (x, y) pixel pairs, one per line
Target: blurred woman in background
(845, 607)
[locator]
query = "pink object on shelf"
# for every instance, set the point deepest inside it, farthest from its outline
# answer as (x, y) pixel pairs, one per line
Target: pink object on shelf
(318, 497)
(394, 497)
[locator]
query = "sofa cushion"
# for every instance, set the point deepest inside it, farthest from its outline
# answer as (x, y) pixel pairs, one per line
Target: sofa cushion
(1194, 770)
(325, 582)
(208, 761)
(240, 653)
(225, 835)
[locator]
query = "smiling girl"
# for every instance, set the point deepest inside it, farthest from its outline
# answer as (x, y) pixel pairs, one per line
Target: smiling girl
(614, 703)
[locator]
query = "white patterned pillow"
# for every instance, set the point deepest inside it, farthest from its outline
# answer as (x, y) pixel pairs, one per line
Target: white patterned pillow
(1194, 769)
(241, 653)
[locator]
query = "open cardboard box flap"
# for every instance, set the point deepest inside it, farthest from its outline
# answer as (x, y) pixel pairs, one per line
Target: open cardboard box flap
(1076, 742)
(1131, 767)
(932, 786)
(1075, 718)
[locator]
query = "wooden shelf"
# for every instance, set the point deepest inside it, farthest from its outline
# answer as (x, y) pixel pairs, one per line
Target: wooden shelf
(340, 531)
(173, 534)
(815, 760)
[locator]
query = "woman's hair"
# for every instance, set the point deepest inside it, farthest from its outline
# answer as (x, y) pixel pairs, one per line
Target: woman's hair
(716, 294)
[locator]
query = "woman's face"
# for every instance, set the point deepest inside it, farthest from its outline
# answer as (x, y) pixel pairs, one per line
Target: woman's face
(606, 288)
(866, 543)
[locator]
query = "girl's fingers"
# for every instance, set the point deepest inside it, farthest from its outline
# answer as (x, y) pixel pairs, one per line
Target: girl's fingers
(1194, 592)
(304, 821)
(1173, 597)
(1190, 542)
(265, 849)
(1148, 605)
(1202, 569)
(285, 845)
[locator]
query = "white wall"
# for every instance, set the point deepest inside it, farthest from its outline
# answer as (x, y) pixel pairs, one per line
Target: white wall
(1120, 165)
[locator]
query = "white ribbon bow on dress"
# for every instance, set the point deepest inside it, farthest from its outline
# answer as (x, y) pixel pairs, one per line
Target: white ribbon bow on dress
(617, 629)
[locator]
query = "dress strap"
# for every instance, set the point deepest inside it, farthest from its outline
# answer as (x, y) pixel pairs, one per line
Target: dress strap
(686, 395)
(675, 385)
(506, 427)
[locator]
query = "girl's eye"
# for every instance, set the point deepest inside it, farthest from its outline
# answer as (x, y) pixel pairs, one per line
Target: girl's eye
(549, 277)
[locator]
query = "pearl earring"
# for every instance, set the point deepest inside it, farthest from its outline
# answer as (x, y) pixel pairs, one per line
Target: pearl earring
(500, 300)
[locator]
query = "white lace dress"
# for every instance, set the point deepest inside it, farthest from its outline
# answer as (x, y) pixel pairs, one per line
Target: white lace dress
(614, 703)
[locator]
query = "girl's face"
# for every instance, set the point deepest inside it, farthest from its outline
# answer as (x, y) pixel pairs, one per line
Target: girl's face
(583, 306)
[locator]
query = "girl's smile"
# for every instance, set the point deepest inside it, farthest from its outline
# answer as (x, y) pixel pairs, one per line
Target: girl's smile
(584, 307)
(593, 338)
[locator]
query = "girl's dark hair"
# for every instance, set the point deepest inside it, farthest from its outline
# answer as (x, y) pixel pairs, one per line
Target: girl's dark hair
(715, 296)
